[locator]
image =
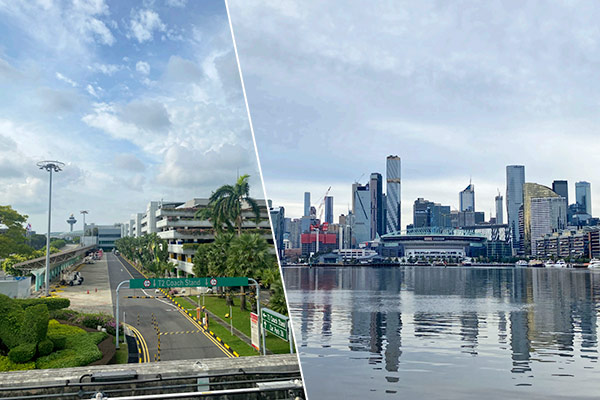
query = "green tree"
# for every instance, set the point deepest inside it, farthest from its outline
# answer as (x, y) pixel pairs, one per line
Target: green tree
(12, 240)
(226, 206)
(249, 256)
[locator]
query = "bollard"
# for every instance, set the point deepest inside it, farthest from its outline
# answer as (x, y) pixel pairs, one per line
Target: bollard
(88, 292)
(96, 290)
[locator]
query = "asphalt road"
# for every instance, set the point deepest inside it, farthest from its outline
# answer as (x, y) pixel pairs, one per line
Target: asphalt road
(168, 318)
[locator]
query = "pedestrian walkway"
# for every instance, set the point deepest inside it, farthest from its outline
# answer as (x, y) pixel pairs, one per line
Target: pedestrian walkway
(93, 295)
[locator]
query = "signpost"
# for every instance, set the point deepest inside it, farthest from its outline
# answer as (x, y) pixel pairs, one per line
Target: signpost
(152, 283)
(275, 323)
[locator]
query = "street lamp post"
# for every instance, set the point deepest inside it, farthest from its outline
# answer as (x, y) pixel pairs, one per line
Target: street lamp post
(50, 166)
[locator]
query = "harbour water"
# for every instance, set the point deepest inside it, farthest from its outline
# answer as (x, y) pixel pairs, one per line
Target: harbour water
(446, 333)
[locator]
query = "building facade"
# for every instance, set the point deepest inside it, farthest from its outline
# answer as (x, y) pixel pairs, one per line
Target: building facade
(377, 206)
(583, 196)
(393, 194)
(467, 198)
(499, 209)
(515, 179)
(361, 210)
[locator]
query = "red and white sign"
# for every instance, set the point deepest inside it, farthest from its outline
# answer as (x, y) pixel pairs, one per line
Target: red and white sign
(147, 283)
(254, 330)
(213, 282)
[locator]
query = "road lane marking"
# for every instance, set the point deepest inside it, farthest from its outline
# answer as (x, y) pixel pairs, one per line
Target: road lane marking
(212, 339)
(142, 342)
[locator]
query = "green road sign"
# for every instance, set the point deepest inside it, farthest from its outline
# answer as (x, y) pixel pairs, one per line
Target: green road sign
(153, 283)
(275, 323)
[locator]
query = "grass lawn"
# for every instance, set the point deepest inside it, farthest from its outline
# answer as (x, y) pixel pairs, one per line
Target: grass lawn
(241, 321)
(122, 354)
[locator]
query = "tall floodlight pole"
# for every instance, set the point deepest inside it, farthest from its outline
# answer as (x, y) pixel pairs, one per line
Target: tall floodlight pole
(83, 212)
(50, 166)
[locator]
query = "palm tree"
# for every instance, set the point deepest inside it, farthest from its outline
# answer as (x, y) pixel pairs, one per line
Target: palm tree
(225, 205)
(248, 256)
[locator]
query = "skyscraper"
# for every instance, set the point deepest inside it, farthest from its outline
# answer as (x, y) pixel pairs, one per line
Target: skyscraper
(583, 196)
(329, 209)
(515, 178)
(306, 204)
(393, 191)
(499, 209)
(561, 188)
(467, 198)
(533, 191)
(375, 188)
(548, 214)
(361, 211)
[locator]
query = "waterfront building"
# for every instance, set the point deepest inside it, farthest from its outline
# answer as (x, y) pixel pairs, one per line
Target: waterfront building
(499, 209)
(393, 194)
(327, 242)
(583, 196)
(361, 210)
(569, 244)
(467, 198)
(548, 214)
(329, 209)
(421, 213)
(295, 231)
(533, 191)
(515, 178)
(376, 191)
(306, 204)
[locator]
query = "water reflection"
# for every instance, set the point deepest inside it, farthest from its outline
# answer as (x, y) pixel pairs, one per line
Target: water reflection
(418, 330)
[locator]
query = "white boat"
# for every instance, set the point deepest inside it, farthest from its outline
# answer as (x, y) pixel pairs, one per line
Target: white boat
(560, 264)
(521, 263)
(594, 263)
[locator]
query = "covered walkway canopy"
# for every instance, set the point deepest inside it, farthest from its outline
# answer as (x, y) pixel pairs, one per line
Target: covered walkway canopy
(58, 263)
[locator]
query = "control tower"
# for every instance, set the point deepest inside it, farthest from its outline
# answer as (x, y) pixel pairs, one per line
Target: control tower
(71, 221)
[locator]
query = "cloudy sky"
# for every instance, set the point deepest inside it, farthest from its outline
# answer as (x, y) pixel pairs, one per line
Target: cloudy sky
(457, 89)
(142, 101)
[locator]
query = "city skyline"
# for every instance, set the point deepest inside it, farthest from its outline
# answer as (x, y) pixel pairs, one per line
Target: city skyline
(139, 101)
(471, 98)
(449, 198)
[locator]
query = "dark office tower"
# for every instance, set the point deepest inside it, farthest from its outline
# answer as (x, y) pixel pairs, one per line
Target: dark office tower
(583, 196)
(376, 205)
(329, 209)
(467, 198)
(561, 188)
(515, 178)
(306, 204)
(393, 198)
(421, 216)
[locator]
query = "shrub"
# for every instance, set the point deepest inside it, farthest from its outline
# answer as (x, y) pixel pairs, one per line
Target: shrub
(56, 328)
(53, 303)
(64, 314)
(59, 341)
(81, 349)
(35, 323)
(45, 347)
(22, 353)
(7, 365)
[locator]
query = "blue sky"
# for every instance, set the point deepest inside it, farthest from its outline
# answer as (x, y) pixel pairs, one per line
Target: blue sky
(456, 89)
(141, 100)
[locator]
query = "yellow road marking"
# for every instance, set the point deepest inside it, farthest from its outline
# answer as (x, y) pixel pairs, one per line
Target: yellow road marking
(144, 345)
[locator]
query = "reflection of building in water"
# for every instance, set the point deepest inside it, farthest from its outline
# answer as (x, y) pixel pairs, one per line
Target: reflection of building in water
(540, 311)
(469, 331)
(519, 341)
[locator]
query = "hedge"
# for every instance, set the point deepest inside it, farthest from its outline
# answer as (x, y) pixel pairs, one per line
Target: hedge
(35, 324)
(45, 347)
(22, 353)
(59, 341)
(53, 303)
(88, 320)
(81, 349)
(7, 365)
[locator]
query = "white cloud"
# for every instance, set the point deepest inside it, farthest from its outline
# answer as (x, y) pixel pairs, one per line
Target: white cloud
(176, 3)
(142, 67)
(90, 89)
(143, 24)
(106, 69)
(128, 162)
(65, 79)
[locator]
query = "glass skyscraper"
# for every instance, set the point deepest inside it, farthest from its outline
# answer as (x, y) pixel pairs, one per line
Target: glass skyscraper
(306, 204)
(329, 209)
(467, 198)
(515, 178)
(375, 187)
(499, 209)
(583, 196)
(361, 211)
(393, 209)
